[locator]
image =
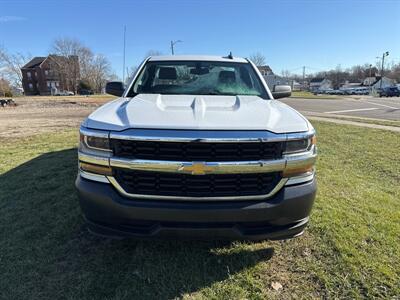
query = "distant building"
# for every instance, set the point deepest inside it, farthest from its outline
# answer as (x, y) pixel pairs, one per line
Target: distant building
(296, 86)
(375, 82)
(383, 83)
(45, 75)
(369, 81)
(351, 85)
(320, 84)
(273, 80)
(265, 70)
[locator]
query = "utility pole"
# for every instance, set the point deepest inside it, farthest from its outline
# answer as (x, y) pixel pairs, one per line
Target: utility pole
(173, 44)
(370, 75)
(304, 76)
(123, 64)
(383, 62)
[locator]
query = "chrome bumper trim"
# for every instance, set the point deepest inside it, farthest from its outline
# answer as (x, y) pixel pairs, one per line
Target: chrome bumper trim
(94, 177)
(119, 188)
(300, 160)
(94, 159)
(300, 179)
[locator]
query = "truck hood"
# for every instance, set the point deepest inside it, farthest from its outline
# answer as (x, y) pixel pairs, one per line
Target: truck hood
(197, 112)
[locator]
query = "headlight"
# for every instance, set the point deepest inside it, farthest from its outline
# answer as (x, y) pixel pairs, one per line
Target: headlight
(94, 152)
(94, 140)
(300, 145)
(97, 143)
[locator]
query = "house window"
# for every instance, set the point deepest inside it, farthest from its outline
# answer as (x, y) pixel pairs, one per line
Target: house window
(31, 86)
(48, 84)
(36, 74)
(29, 74)
(46, 72)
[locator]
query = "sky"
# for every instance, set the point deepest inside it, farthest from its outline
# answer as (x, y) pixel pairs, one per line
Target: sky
(291, 34)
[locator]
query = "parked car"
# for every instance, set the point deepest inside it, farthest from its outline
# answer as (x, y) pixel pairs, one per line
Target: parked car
(64, 93)
(335, 92)
(362, 91)
(339, 92)
(389, 92)
(322, 91)
(350, 91)
(197, 146)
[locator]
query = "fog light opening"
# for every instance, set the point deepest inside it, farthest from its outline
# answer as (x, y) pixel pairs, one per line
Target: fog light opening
(298, 172)
(96, 169)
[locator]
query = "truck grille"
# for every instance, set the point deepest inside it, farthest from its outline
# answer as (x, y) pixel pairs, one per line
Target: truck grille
(186, 185)
(197, 151)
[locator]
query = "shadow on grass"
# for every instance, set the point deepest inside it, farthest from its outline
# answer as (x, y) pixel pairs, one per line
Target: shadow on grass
(47, 252)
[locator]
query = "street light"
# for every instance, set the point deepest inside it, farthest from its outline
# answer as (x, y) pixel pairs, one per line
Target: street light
(173, 44)
(383, 61)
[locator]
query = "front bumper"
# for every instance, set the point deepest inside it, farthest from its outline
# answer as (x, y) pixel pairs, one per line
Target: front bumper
(285, 215)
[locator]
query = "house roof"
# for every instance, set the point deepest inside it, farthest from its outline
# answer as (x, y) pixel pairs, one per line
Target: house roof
(372, 80)
(34, 62)
(265, 68)
(384, 78)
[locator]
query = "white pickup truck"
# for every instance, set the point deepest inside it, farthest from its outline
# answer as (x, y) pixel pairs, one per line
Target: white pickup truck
(197, 146)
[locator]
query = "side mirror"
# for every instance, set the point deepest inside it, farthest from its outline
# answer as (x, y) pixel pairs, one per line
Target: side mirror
(281, 91)
(115, 88)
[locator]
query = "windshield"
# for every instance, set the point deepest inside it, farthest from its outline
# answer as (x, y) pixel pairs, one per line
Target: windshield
(198, 78)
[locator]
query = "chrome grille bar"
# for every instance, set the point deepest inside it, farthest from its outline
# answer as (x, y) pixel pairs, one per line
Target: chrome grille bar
(288, 162)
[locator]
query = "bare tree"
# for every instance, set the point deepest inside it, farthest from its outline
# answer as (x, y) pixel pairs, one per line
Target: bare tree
(94, 69)
(285, 73)
(11, 64)
(258, 59)
(394, 72)
(4, 87)
(72, 60)
(131, 72)
(153, 53)
(99, 72)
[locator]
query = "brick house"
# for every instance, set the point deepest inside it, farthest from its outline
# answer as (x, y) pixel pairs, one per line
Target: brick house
(46, 75)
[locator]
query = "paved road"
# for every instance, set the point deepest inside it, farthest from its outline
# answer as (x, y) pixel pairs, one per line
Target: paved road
(367, 107)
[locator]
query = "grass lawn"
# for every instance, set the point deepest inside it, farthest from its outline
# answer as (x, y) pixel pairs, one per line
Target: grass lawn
(305, 94)
(350, 250)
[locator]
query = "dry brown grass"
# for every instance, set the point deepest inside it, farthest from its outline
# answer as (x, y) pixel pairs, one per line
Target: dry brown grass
(39, 114)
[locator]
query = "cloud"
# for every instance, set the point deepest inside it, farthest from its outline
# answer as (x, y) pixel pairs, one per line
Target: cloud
(5, 19)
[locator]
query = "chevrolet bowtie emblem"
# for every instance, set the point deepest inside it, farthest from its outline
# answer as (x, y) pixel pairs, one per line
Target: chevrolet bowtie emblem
(197, 168)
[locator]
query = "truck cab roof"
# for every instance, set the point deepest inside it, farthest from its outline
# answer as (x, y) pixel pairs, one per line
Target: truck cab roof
(197, 58)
